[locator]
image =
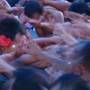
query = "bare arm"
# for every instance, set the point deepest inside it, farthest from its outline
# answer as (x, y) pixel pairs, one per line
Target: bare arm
(5, 4)
(43, 42)
(5, 67)
(61, 31)
(58, 5)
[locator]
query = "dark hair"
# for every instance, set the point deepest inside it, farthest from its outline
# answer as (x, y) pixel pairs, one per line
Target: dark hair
(88, 9)
(82, 1)
(3, 80)
(32, 7)
(13, 2)
(26, 79)
(78, 7)
(71, 0)
(87, 1)
(72, 82)
(85, 6)
(10, 27)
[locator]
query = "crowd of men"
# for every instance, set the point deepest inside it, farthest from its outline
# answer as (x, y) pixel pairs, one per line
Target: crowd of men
(44, 44)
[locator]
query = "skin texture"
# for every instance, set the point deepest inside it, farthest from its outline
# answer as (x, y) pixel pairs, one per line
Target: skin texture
(58, 5)
(52, 52)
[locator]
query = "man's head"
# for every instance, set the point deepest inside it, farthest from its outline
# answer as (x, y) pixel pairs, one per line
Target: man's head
(10, 27)
(25, 80)
(71, 82)
(78, 7)
(33, 9)
(28, 78)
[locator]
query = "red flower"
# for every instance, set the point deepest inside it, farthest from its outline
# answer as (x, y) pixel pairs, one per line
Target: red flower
(5, 42)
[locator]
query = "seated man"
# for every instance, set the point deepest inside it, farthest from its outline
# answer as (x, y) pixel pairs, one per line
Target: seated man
(7, 36)
(33, 9)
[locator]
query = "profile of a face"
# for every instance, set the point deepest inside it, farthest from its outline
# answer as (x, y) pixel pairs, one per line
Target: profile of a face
(18, 36)
(36, 16)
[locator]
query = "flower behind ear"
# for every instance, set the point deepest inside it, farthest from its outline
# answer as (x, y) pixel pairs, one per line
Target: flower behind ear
(5, 42)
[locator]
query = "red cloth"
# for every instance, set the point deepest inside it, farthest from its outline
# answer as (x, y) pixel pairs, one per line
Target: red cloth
(5, 42)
